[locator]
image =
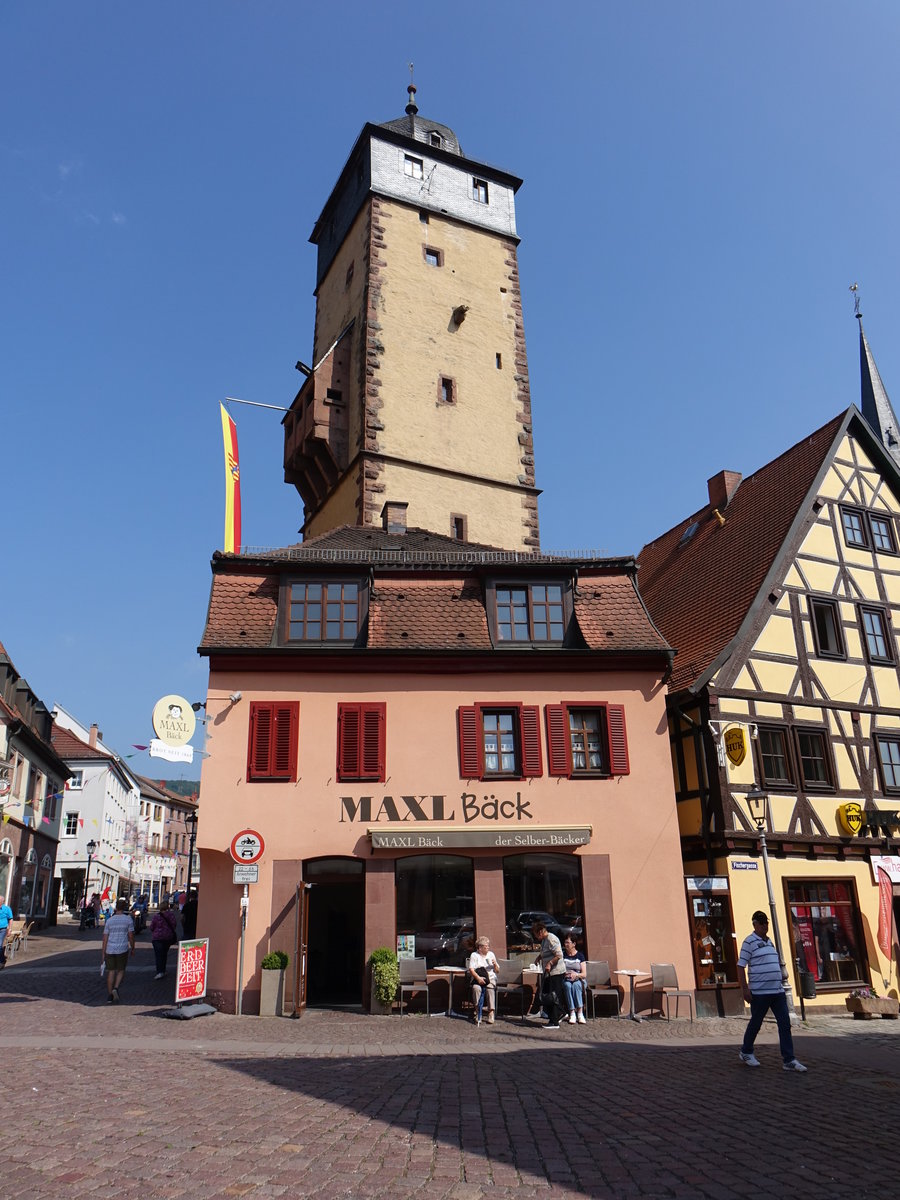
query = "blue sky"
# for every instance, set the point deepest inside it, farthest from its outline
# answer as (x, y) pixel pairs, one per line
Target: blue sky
(703, 181)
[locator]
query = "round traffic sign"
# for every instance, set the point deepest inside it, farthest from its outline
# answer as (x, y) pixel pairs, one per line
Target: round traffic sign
(247, 846)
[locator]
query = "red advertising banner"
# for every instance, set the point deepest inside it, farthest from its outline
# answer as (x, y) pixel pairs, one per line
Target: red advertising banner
(885, 915)
(190, 981)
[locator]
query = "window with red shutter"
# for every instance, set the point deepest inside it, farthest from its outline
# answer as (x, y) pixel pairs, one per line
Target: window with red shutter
(586, 740)
(499, 741)
(272, 749)
(361, 742)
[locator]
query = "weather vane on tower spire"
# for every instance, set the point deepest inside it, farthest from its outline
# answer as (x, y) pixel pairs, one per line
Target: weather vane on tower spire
(412, 107)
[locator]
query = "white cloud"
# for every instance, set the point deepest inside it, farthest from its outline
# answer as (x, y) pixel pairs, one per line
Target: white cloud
(72, 166)
(119, 219)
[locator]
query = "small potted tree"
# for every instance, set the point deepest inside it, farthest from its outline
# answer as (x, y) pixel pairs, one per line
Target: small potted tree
(865, 1002)
(385, 980)
(271, 985)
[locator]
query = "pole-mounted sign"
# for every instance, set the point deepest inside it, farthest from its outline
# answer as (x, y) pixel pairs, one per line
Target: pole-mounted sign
(247, 846)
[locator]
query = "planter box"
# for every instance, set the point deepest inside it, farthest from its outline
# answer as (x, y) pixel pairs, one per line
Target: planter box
(864, 1007)
(271, 993)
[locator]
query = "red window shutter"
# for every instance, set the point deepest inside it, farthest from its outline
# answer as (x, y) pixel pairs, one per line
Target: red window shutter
(348, 741)
(530, 724)
(272, 750)
(373, 729)
(284, 742)
(618, 743)
(469, 742)
(558, 744)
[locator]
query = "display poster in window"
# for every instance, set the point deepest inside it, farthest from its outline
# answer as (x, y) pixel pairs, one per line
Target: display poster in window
(406, 945)
(190, 979)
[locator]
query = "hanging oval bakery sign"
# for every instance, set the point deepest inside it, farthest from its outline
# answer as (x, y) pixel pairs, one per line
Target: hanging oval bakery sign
(735, 744)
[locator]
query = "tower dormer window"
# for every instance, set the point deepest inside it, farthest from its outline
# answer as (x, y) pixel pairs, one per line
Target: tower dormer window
(435, 139)
(413, 167)
(480, 190)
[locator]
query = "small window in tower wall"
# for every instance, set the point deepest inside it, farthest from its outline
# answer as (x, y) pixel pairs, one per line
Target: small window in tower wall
(446, 390)
(412, 167)
(434, 258)
(458, 527)
(423, 217)
(480, 190)
(499, 362)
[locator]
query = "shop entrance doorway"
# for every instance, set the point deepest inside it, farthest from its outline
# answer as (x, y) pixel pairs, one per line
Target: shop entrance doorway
(336, 937)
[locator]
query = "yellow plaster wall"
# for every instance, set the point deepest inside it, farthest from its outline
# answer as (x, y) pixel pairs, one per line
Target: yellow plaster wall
(748, 893)
(689, 818)
(819, 541)
(340, 507)
(847, 778)
(840, 680)
(820, 576)
(728, 705)
(744, 681)
(777, 636)
(775, 677)
(764, 708)
(886, 684)
(479, 432)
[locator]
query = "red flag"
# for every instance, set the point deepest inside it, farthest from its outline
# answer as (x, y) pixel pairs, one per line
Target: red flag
(885, 911)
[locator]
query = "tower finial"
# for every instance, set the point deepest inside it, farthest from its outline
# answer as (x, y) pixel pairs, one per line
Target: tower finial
(411, 108)
(854, 288)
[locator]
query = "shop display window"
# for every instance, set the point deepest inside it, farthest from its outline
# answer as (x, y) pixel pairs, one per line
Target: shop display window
(436, 908)
(541, 887)
(825, 932)
(712, 939)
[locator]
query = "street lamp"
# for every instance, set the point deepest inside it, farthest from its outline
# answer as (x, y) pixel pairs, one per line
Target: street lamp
(190, 821)
(758, 803)
(91, 848)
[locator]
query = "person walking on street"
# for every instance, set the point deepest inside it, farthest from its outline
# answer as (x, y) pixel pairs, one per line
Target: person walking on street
(6, 915)
(554, 974)
(163, 934)
(118, 943)
(764, 992)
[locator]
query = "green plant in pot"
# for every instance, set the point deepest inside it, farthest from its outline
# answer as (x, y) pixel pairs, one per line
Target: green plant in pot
(385, 976)
(275, 960)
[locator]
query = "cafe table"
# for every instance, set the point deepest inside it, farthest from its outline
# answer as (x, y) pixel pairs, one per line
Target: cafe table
(632, 974)
(449, 972)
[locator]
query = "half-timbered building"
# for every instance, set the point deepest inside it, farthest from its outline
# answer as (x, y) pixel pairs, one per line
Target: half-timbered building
(782, 598)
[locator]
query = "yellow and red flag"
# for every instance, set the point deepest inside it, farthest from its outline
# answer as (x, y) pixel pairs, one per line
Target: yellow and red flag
(232, 485)
(885, 911)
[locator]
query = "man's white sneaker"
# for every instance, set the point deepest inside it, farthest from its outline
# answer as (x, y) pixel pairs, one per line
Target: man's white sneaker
(793, 1065)
(750, 1060)
(581, 1020)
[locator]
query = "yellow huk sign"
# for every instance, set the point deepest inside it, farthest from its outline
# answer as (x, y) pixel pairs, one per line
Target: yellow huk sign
(850, 818)
(735, 744)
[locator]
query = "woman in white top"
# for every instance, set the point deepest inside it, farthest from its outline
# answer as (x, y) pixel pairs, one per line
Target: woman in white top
(482, 962)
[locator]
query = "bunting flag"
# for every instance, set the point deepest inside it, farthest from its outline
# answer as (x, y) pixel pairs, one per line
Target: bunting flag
(232, 484)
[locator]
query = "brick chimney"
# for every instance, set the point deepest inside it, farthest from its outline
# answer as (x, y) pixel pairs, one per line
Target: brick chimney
(92, 737)
(393, 516)
(722, 487)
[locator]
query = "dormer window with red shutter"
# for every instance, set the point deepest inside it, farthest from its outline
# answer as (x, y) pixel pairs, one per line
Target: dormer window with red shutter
(499, 741)
(272, 752)
(586, 740)
(361, 742)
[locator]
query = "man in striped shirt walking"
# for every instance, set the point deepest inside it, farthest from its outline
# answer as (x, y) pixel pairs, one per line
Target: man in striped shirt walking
(765, 991)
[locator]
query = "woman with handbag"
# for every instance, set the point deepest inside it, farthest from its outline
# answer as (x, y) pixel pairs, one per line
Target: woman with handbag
(482, 968)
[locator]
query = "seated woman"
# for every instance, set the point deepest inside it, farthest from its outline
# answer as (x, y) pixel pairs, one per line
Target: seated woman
(482, 968)
(576, 976)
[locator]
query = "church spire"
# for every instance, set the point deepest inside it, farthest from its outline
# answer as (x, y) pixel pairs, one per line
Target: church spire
(874, 401)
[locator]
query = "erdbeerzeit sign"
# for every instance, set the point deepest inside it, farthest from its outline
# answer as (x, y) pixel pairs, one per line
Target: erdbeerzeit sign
(539, 837)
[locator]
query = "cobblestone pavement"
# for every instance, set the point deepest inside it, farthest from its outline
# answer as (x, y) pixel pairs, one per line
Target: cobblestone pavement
(115, 1102)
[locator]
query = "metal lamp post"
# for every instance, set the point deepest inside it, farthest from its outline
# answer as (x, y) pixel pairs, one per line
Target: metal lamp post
(91, 849)
(757, 802)
(190, 821)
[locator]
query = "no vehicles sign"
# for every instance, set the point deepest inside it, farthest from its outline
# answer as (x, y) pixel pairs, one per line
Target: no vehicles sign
(247, 846)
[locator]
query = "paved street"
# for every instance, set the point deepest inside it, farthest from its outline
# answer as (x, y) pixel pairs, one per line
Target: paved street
(117, 1102)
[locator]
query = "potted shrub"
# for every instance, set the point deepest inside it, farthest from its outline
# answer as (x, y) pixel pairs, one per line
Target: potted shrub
(865, 1002)
(385, 980)
(271, 986)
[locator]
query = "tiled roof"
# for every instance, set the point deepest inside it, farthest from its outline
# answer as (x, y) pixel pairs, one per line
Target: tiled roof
(698, 593)
(430, 598)
(68, 746)
(611, 616)
(428, 614)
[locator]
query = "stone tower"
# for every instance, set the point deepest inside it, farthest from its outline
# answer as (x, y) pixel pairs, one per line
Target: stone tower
(418, 392)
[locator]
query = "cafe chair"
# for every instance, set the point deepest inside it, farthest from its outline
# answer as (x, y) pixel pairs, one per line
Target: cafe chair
(413, 978)
(509, 982)
(664, 980)
(599, 983)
